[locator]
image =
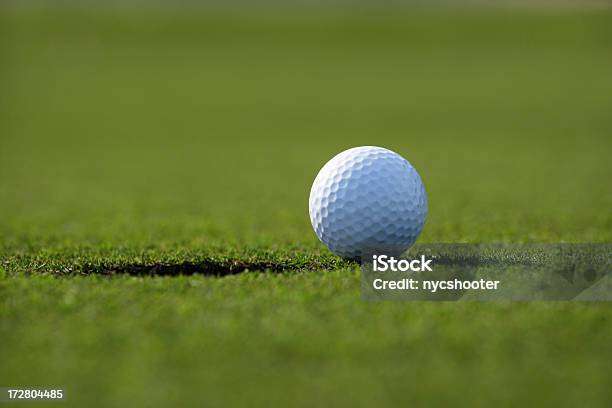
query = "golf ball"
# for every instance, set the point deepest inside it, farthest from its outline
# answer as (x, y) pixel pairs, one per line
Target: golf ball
(367, 200)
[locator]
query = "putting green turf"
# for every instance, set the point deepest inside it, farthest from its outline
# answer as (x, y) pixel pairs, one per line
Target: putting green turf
(130, 140)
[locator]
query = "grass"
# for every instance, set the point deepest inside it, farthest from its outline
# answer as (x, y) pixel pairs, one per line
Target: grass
(131, 140)
(299, 339)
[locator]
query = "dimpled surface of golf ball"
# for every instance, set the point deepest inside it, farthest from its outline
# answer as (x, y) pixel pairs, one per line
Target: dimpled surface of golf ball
(368, 200)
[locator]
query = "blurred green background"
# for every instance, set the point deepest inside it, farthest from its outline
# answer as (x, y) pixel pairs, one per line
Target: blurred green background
(217, 124)
(164, 136)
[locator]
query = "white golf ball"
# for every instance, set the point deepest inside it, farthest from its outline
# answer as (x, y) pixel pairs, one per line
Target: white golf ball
(368, 200)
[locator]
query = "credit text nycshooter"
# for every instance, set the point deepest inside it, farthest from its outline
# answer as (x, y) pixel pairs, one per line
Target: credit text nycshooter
(383, 263)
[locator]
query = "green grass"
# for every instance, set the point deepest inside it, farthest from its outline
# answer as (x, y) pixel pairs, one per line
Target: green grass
(299, 339)
(164, 140)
